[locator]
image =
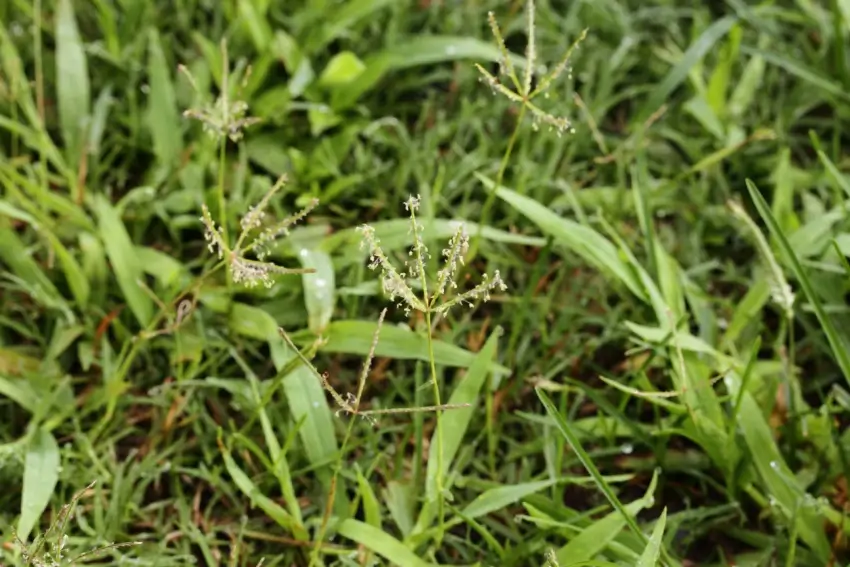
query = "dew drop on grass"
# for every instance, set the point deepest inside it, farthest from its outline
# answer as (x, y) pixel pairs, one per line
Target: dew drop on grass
(303, 253)
(320, 282)
(627, 448)
(774, 465)
(315, 404)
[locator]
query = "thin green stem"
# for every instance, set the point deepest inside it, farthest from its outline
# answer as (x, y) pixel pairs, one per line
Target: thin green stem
(491, 197)
(222, 203)
(420, 264)
(438, 415)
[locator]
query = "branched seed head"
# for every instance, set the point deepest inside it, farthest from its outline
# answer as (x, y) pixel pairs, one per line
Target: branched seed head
(523, 93)
(393, 282)
(457, 249)
(212, 234)
(479, 292)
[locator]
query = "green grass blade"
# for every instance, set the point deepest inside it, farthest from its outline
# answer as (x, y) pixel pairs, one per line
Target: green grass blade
(73, 92)
(125, 265)
(41, 473)
(501, 496)
(163, 118)
(380, 542)
(456, 422)
(266, 504)
(679, 72)
(840, 348)
(584, 241)
(779, 481)
(836, 175)
(596, 537)
(319, 288)
(649, 557)
(585, 459)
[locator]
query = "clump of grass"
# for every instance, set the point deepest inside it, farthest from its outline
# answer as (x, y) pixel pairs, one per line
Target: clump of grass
(350, 404)
(49, 549)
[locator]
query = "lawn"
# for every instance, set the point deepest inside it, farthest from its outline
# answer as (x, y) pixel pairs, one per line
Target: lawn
(417, 283)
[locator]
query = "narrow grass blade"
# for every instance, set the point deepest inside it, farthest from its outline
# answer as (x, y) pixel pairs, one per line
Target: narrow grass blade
(266, 504)
(501, 496)
(840, 348)
(834, 173)
(304, 393)
(41, 473)
(680, 71)
(779, 481)
(73, 92)
(585, 459)
(456, 422)
(119, 249)
(802, 72)
(378, 541)
(14, 254)
(649, 557)
(163, 117)
(371, 508)
(584, 241)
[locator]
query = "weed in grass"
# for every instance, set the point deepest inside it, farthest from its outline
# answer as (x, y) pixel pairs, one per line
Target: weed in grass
(523, 93)
(245, 270)
(49, 548)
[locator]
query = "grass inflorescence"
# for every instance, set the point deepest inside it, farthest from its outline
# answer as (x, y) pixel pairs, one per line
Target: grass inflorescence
(329, 285)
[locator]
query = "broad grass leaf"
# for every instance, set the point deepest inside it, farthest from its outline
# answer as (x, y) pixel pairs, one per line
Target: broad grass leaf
(596, 537)
(380, 542)
(319, 288)
(274, 510)
(501, 496)
(163, 118)
(355, 337)
(41, 473)
(73, 91)
(584, 241)
(421, 50)
(19, 390)
(455, 423)
(125, 263)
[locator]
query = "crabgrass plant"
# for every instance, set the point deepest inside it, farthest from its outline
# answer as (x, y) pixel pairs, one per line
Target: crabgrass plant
(50, 549)
(431, 303)
(523, 92)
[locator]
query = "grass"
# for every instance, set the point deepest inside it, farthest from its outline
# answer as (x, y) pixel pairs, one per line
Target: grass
(663, 380)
